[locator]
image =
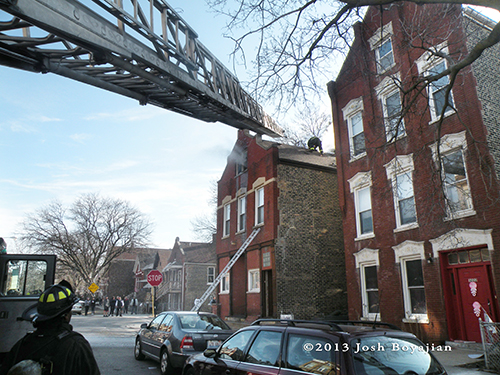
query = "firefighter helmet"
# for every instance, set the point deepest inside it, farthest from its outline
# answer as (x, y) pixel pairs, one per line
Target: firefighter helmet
(56, 300)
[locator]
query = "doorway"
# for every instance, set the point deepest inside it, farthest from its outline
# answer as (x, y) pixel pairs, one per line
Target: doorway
(267, 294)
(469, 292)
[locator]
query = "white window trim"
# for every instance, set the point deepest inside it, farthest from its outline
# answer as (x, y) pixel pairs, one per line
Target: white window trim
(226, 218)
(349, 111)
(360, 181)
(226, 290)
(449, 143)
(241, 230)
(407, 251)
(425, 63)
(399, 165)
(366, 258)
(383, 90)
(380, 37)
(251, 289)
(257, 223)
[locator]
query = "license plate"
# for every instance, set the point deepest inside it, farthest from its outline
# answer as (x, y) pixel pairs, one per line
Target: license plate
(213, 344)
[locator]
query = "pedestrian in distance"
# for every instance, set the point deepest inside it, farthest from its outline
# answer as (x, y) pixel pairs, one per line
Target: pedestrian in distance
(119, 306)
(315, 143)
(106, 307)
(134, 303)
(87, 305)
(126, 303)
(92, 306)
(53, 347)
(112, 306)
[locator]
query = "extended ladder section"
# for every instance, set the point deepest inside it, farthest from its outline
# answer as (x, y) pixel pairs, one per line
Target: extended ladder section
(241, 250)
(140, 49)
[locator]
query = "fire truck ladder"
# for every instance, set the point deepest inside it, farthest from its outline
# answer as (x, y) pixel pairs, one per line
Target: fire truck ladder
(141, 49)
(226, 269)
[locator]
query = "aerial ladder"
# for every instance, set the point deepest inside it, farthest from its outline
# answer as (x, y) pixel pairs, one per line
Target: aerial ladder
(199, 302)
(141, 49)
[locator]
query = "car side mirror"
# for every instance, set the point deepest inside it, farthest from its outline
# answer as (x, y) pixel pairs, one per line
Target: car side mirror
(210, 353)
(144, 325)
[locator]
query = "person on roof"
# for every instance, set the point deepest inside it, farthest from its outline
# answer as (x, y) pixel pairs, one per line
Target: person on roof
(54, 347)
(315, 143)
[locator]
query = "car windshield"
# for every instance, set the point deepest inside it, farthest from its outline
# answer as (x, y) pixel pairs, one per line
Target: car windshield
(380, 355)
(196, 322)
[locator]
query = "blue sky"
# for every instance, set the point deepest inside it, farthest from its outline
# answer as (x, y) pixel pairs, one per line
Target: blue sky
(60, 139)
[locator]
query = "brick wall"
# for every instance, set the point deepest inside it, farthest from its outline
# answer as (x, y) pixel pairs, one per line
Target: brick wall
(310, 267)
(195, 279)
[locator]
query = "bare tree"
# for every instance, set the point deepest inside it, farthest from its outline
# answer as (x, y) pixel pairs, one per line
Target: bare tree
(87, 236)
(205, 226)
(300, 41)
(308, 122)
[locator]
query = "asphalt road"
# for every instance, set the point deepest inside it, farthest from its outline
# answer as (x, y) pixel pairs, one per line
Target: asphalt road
(112, 340)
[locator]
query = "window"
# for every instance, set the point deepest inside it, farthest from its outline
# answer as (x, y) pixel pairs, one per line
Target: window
(242, 204)
(400, 172)
(385, 57)
(234, 348)
(367, 261)
(313, 354)
(381, 43)
(415, 285)
(389, 95)
(437, 91)
(455, 181)
(259, 206)
(240, 156)
(227, 220)
(166, 325)
(24, 278)
(365, 210)
(265, 349)
(409, 255)
(210, 275)
(224, 284)
(353, 115)
(361, 188)
(254, 281)
(370, 290)
(429, 64)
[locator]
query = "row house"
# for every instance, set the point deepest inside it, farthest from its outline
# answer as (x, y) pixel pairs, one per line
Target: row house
(295, 264)
(190, 271)
(417, 174)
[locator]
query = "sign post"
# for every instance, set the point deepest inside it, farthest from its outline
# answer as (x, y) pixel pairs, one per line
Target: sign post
(154, 278)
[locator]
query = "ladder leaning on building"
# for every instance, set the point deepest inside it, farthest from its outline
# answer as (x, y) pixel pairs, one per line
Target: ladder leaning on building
(199, 302)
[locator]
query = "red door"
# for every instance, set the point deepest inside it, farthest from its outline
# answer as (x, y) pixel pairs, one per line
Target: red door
(476, 299)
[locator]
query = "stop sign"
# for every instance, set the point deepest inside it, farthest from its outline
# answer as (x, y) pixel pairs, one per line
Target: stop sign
(155, 278)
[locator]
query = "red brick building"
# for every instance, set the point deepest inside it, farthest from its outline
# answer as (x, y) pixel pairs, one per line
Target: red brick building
(295, 264)
(419, 197)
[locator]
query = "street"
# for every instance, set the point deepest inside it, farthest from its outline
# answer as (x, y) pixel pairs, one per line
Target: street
(112, 340)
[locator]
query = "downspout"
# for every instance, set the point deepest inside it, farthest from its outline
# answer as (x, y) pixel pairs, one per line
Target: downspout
(182, 287)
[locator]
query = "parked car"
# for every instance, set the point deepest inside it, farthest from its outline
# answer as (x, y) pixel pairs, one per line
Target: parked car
(172, 337)
(77, 308)
(269, 347)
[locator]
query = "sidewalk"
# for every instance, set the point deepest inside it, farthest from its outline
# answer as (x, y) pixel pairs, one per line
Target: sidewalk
(458, 362)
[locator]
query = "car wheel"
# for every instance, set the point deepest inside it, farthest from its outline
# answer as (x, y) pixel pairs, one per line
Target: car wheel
(138, 350)
(165, 366)
(189, 371)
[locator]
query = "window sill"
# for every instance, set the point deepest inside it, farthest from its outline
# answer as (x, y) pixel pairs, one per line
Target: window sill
(423, 319)
(241, 232)
(253, 291)
(225, 237)
(365, 237)
(405, 227)
(227, 292)
(436, 120)
(460, 214)
(258, 225)
(374, 318)
(357, 157)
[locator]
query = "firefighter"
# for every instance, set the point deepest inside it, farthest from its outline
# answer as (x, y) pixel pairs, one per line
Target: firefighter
(54, 345)
(315, 143)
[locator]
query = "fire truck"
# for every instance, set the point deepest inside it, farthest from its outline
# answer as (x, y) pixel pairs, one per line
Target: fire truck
(23, 279)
